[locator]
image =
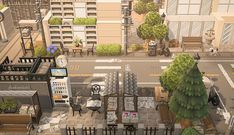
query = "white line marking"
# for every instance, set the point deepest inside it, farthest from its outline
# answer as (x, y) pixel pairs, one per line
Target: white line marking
(107, 67)
(146, 61)
(163, 67)
(99, 74)
(103, 83)
(226, 75)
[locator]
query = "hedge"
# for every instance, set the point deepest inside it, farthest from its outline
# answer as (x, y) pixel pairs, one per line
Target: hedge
(108, 49)
(1, 6)
(55, 21)
(84, 21)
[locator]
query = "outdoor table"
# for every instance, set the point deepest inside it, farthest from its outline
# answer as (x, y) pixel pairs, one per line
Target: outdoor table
(77, 50)
(94, 105)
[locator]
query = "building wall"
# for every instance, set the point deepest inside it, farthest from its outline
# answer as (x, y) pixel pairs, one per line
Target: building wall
(8, 22)
(24, 9)
(109, 25)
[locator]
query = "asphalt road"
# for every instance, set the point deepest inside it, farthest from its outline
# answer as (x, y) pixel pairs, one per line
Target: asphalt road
(87, 71)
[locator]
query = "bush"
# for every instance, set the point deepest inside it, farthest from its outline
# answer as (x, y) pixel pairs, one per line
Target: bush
(1, 6)
(55, 21)
(84, 21)
(108, 49)
(40, 51)
(136, 47)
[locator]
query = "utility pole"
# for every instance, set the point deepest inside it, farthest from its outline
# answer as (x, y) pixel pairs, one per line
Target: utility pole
(126, 25)
(39, 19)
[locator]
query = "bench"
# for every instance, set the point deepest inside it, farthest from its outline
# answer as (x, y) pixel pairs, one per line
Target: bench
(192, 42)
(16, 123)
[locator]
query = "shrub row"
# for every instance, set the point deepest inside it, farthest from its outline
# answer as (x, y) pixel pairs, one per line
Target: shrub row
(84, 21)
(108, 49)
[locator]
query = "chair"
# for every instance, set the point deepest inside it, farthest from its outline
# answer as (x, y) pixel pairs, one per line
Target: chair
(64, 50)
(95, 92)
(74, 106)
(90, 50)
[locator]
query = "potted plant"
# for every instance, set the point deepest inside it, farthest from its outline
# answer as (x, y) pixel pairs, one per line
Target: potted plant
(77, 42)
(9, 105)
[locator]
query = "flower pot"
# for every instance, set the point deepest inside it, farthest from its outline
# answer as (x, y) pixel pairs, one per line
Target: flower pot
(185, 123)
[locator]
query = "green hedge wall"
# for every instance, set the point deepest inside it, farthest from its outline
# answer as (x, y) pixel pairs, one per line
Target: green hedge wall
(108, 49)
(84, 21)
(55, 21)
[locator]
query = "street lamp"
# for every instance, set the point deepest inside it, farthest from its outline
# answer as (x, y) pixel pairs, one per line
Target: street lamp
(39, 19)
(163, 16)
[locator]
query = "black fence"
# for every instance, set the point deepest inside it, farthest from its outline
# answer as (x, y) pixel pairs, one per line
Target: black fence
(113, 131)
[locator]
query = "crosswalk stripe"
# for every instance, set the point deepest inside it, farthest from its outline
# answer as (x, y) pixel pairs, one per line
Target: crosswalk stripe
(107, 67)
(163, 67)
(229, 80)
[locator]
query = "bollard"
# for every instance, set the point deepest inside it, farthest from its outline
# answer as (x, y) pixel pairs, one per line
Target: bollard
(140, 129)
(63, 129)
(178, 129)
(79, 129)
(99, 129)
(120, 129)
(161, 129)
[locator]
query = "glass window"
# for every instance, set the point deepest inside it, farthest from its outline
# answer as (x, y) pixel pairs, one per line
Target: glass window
(231, 9)
(183, 9)
(222, 8)
(183, 1)
(194, 9)
(195, 1)
(224, 1)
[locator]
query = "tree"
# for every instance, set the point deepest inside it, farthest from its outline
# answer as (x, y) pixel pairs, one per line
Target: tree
(140, 8)
(153, 18)
(144, 31)
(151, 7)
(189, 101)
(160, 31)
(174, 73)
(145, 6)
(190, 131)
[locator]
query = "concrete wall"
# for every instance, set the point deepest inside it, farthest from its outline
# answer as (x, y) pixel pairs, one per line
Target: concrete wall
(42, 87)
(46, 28)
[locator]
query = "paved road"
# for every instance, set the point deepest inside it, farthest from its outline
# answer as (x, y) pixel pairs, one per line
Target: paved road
(86, 71)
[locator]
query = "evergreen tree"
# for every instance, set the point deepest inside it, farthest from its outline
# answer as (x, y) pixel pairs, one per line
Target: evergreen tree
(190, 101)
(190, 131)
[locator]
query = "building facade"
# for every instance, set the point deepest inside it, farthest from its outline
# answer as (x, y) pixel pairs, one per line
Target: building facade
(195, 17)
(107, 29)
(24, 9)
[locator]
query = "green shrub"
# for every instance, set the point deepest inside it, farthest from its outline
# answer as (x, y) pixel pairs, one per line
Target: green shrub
(55, 21)
(40, 51)
(1, 6)
(108, 49)
(136, 47)
(84, 21)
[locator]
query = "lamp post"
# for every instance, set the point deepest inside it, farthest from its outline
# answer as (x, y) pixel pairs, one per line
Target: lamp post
(127, 23)
(163, 16)
(39, 19)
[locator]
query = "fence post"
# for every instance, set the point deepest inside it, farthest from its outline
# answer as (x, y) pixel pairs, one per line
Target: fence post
(161, 129)
(120, 129)
(177, 129)
(140, 129)
(79, 129)
(99, 129)
(63, 129)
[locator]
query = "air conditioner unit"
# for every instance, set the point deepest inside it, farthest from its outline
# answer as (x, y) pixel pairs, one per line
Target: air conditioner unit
(67, 21)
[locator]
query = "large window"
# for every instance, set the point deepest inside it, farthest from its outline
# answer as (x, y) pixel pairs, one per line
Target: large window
(189, 7)
(226, 6)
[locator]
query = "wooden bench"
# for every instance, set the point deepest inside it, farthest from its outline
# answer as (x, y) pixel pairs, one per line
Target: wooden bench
(16, 123)
(192, 42)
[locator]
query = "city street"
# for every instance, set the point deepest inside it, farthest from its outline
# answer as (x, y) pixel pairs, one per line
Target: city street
(84, 71)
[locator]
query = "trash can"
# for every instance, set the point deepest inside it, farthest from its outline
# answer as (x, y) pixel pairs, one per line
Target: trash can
(152, 48)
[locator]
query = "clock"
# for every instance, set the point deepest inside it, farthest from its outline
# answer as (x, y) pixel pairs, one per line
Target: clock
(1, 16)
(61, 61)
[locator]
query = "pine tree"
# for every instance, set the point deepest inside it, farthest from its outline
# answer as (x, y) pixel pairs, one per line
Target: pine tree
(190, 100)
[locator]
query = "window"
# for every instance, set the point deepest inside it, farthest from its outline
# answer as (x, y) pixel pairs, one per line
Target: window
(226, 6)
(191, 7)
